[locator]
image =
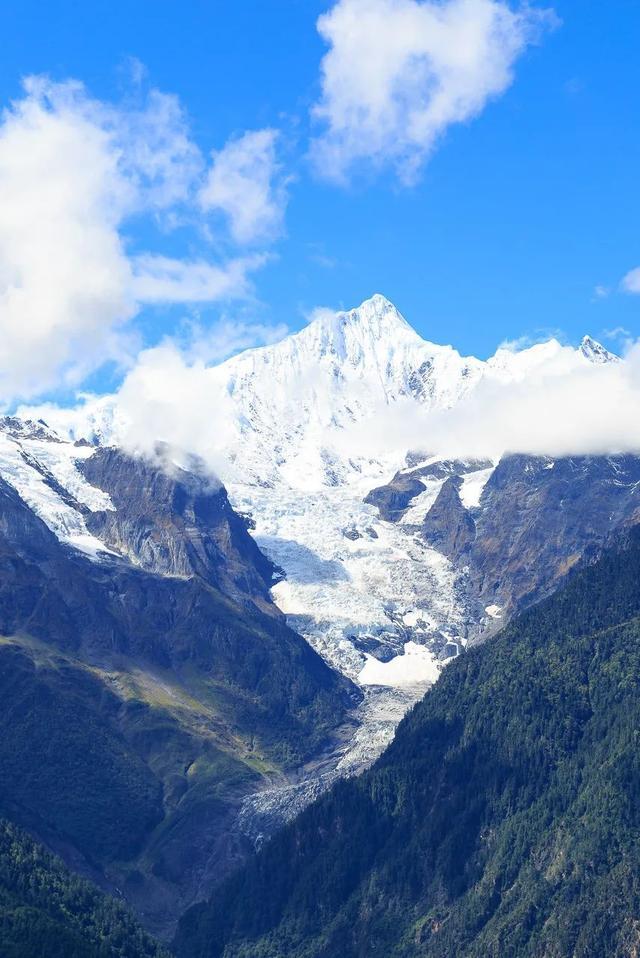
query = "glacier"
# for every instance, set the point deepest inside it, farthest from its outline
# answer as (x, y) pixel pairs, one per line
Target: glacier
(369, 595)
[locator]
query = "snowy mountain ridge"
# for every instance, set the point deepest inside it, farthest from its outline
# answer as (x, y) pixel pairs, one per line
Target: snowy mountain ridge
(295, 397)
(283, 410)
(382, 602)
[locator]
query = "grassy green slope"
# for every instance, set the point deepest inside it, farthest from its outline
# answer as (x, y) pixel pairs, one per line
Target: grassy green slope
(125, 770)
(504, 820)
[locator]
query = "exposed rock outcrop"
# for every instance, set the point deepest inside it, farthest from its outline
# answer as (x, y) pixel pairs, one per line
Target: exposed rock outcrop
(159, 676)
(540, 516)
(448, 526)
(180, 523)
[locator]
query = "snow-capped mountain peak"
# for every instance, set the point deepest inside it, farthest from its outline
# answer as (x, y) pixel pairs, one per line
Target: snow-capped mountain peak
(595, 352)
(281, 409)
(375, 320)
(372, 337)
(290, 400)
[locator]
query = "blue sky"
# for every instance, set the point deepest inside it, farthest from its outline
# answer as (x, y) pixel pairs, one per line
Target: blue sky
(516, 217)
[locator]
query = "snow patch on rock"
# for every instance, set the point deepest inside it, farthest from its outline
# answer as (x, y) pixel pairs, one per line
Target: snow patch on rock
(417, 666)
(42, 469)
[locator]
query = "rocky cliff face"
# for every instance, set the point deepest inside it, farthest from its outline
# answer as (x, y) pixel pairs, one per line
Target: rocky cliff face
(448, 526)
(538, 517)
(149, 682)
(514, 531)
(393, 498)
(179, 523)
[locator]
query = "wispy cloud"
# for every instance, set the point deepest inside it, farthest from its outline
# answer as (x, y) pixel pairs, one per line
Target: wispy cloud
(631, 282)
(161, 279)
(74, 172)
(527, 340)
(399, 73)
(212, 344)
(619, 335)
(246, 184)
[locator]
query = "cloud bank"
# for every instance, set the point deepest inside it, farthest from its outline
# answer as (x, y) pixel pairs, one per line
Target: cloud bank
(169, 396)
(553, 402)
(74, 173)
(399, 73)
(245, 184)
(564, 406)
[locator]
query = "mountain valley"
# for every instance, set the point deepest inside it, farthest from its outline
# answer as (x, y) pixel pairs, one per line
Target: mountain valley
(392, 559)
(217, 636)
(502, 820)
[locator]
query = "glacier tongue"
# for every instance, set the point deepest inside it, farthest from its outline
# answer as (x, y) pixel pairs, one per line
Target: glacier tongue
(369, 595)
(354, 583)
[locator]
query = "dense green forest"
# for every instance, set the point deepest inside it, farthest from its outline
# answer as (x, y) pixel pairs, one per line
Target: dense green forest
(504, 820)
(45, 912)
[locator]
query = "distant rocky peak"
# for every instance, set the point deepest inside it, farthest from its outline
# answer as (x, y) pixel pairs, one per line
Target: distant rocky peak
(28, 429)
(596, 353)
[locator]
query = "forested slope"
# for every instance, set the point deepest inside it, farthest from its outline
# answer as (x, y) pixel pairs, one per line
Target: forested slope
(46, 911)
(504, 820)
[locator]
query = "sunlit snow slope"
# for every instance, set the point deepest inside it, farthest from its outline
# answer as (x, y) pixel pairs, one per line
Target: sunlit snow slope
(42, 469)
(369, 595)
(350, 576)
(354, 584)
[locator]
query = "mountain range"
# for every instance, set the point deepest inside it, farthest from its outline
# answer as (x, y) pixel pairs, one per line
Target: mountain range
(393, 558)
(197, 643)
(503, 820)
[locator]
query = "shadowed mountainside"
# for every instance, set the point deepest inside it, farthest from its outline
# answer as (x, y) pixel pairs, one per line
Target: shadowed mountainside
(502, 821)
(146, 693)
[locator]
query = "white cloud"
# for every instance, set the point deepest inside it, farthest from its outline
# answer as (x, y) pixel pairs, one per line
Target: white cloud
(174, 395)
(170, 399)
(74, 172)
(156, 151)
(562, 406)
(170, 395)
(160, 279)
(65, 280)
(245, 184)
(621, 334)
(213, 344)
(400, 72)
(631, 282)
